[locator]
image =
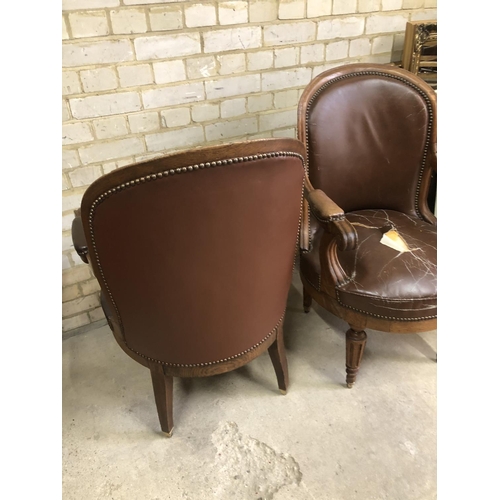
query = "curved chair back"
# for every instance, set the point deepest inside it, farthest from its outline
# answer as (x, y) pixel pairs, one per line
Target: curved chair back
(369, 131)
(194, 251)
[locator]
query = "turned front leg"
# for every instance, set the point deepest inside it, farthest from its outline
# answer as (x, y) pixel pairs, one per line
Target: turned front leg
(355, 346)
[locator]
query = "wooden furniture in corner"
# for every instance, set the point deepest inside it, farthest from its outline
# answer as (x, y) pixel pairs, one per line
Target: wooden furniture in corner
(420, 50)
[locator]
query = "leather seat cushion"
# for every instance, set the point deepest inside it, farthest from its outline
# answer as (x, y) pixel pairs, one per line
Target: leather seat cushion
(384, 282)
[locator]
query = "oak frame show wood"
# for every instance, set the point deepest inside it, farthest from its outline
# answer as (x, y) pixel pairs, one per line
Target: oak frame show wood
(340, 235)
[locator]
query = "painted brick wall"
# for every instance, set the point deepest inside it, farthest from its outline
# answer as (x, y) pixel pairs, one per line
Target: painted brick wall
(145, 77)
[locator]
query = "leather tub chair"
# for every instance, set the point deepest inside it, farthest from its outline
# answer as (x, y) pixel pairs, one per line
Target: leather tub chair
(368, 238)
(194, 254)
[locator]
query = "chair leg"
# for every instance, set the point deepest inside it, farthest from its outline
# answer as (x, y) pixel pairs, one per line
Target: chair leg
(278, 357)
(355, 345)
(163, 389)
(307, 300)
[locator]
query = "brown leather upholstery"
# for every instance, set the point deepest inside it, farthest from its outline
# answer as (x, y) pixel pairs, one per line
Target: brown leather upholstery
(385, 283)
(194, 252)
(354, 124)
(370, 135)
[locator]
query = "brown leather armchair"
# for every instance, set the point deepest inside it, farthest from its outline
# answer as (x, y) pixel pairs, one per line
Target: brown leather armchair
(368, 238)
(194, 255)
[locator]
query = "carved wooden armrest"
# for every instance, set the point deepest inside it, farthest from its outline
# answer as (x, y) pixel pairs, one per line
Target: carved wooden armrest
(332, 218)
(79, 241)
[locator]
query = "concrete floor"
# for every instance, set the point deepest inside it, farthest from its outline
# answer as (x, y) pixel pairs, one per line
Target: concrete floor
(236, 437)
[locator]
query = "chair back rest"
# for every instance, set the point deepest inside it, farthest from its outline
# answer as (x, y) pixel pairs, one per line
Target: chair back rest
(369, 131)
(194, 251)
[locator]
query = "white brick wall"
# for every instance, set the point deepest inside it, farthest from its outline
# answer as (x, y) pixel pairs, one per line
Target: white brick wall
(176, 117)
(199, 14)
(312, 53)
(231, 63)
(245, 38)
(171, 96)
(261, 102)
(165, 18)
(286, 99)
(201, 67)
(383, 23)
(76, 274)
(175, 139)
(65, 34)
(228, 87)
(392, 4)
(360, 47)
(337, 50)
(167, 46)
(318, 8)
(233, 12)
(114, 126)
(292, 9)
(205, 112)
(145, 77)
(297, 77)
(263, 10)
(102, 105)
(88, 24)
(368, 5)
(169, 71)
(84, 176)
(263, 59)
(70, 83)
(79, 305)
(110, 150)
(233, 107)
(382, 44)
(135, 75)
(94, 80)
(75, 133)
(128, 21)
(65, 112)
(273, 121)
(344, 6)
(98, 52)
(70, 159)
(227, 129)
(88, 4)
(288, 33)
(340, 28)
(288, 56)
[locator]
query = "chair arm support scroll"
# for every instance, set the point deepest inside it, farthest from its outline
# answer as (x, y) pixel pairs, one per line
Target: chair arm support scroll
(79, 241)
(332, 218)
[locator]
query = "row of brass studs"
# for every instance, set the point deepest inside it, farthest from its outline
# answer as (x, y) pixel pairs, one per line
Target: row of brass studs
(159, 175)
(211, 363)
(383, 317)
(191, 168)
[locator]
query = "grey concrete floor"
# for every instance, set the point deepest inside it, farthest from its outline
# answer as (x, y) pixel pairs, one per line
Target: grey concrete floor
(236, 437)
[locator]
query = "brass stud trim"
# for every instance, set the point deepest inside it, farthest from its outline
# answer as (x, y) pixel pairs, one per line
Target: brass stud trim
(427, 140)
(134, 182)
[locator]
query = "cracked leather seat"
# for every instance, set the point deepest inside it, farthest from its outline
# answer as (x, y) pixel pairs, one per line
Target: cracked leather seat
(368, 238)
